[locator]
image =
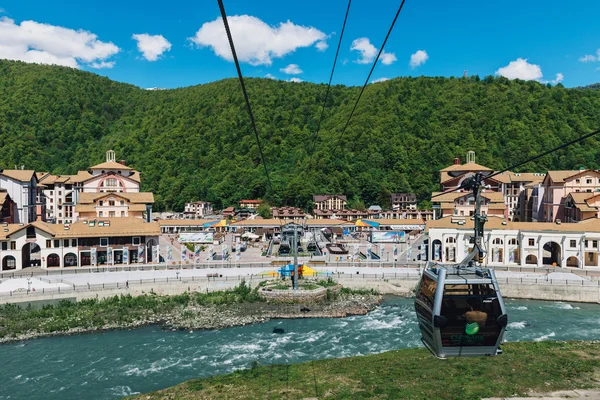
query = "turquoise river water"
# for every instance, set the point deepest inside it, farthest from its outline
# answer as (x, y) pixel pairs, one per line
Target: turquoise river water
(110, 365)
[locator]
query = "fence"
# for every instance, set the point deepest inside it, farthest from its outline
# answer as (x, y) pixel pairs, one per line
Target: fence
(73, 288)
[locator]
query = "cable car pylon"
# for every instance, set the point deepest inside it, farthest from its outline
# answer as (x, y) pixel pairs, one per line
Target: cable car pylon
(459, 306)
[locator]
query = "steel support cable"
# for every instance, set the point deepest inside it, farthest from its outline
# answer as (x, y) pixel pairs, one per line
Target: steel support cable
(369, 76)
(315, 136)
(562, 146)
(240, 76)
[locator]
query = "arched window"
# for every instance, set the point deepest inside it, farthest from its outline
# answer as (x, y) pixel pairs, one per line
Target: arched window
(9, 262)
(497, 241)
(513, 241)
(450, 240)
(53, 260)
(70, 260)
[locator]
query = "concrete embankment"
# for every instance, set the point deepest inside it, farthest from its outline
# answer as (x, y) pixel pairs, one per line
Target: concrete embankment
(394, 286)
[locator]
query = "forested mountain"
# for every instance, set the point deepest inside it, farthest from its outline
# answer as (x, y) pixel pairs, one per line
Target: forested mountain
(196, 143)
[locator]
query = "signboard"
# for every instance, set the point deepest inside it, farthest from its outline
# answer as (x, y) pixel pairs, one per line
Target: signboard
(183, 253)
(125, 255)
(169, 253)
(109, 256)
(388, 237)
(223, 252)
(197, 237)
(407, 227)
(93, 256)
(369, 252)
(197, 253)
(155, 255)
(436, 252)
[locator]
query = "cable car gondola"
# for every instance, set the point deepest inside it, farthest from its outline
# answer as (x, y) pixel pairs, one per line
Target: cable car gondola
(459, 307)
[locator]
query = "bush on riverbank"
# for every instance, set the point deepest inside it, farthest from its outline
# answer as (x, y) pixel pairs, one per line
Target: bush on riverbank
(409, 374)
(117, 310)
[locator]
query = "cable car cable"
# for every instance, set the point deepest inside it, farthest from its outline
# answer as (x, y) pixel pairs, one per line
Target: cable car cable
(315, 136)
(241, 77)
(368, 77)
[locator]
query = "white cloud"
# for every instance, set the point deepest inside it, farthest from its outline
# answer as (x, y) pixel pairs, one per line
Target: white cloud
(521, 69)
(380, 80)
(365, 48)
(292, 69)
(559, 78)
(368, 52)
(321, 45)
(102, 64)
(49, 44)
(588, 58)
(151, 46)
(297, 80)
(388, 58)
(419, 58)
(256, 42)
(270, 76)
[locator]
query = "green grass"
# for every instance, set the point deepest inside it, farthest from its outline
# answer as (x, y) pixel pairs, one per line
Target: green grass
(120, 310)
(409, 374)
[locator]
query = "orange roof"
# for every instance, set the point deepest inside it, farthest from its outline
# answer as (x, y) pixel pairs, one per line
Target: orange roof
(111, 165)
(22, 175)
(465, 167)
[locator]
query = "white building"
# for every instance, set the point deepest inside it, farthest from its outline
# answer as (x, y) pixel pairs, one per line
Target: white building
(198, 209)
(517, 243)
(22, 187)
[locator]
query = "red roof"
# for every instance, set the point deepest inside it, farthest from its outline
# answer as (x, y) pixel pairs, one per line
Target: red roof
(251, 201)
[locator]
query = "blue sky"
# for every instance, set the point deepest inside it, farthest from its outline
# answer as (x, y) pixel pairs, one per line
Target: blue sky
(534, 39)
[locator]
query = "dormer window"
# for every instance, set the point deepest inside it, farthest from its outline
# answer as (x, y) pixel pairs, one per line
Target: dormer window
(101, 203)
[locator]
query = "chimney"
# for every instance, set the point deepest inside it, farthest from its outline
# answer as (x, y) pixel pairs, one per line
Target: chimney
(456, 161)
(123, 162)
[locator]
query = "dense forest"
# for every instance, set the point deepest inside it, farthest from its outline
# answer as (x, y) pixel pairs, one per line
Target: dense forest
(196, 143)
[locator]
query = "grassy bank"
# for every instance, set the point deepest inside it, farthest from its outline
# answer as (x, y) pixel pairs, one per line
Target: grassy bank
(239, 306)
(409, 374)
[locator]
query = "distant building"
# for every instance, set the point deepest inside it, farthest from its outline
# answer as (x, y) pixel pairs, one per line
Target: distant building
(113, 205)
(112, 176)
(198, 209)
(251, 204)
(559, 184)
(329, 202)
(287, 213)
(349, 215)
(404, 201)
(22, 187)
(8, 208)
(228, 212)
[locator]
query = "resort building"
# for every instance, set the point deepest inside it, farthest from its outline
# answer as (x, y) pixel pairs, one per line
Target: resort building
(559, 184)
(349, 215)
(329, 202)
(250, 204)
(463, 204)
(517, 243)
(198, 209)
(112, 205)
(22, 187)
(404, 201)
(112, 176)
(111, 241)
(287, 213)
(7, 209)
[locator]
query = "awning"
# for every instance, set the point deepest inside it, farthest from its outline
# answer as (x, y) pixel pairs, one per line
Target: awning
(366, 222)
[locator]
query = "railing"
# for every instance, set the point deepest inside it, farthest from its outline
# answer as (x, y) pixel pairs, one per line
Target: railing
(340, 277)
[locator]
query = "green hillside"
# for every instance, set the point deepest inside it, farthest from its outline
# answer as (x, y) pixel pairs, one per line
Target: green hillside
(196, 142)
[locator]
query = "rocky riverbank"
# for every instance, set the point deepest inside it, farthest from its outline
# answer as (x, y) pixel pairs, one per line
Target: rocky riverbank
(194, 316)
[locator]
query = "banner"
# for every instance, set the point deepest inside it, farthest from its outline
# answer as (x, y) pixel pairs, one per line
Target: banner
(496, 255)
(93, 258)
(141, 250)
(109, 256)
(197, 237)
(183, 253)
(451, 252)
(388, 237)
(409, 254)
(436, 252)
(238, 251)
(511, 255)
(169, 254)
(197, 253)
(369, 252)
(155, 255)
(125, 255)
(395, 250)
(223, 252)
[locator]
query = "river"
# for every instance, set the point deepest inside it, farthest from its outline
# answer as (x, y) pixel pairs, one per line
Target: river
(109, 365)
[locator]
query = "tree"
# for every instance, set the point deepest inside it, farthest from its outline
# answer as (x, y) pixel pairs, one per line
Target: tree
(264, 210)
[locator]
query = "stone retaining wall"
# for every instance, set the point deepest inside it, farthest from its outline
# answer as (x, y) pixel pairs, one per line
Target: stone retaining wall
(298, 295)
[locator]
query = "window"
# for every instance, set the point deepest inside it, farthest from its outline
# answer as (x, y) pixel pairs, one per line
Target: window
(111, 182)
(588, 181)
(532, 242)
(4, 245)
(48, 244)
(66, 243)
(73, 242)
(577, 181)
(13, 245)
(103, 242)
(595, 244)
(100, 214)
(122, 213)
(136, 240)
(56, 243)
(122, 202)
(497, 241)
(111, 202)
(101, 203)
(573, 243)
(111, 213)
(586, 244)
